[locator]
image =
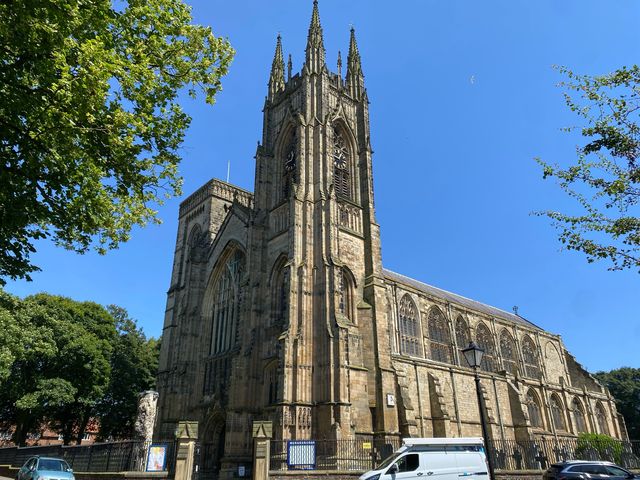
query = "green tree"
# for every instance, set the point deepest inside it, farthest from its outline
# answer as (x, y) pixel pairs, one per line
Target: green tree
(624, 385)
(605, 179)
(90, 123)
(63, 372)
(134, 364)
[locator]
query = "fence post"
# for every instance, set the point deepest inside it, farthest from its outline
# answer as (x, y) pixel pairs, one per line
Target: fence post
(262, 432)
(186, 436)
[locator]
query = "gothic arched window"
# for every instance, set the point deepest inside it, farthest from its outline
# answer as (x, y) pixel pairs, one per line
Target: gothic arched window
(557, 413)
(271, 383)
(530, 355)
(578, 415)
(345, 289)
(534, 410)
(463, 337)
(439, 336)
(226, 300)
(508, 351)
(601, 418)
(341, 165)
(289, 164)
(408, 328)
(281, 289)
(484, 339)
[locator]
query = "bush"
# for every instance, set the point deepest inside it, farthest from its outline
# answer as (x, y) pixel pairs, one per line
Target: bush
(597, 446)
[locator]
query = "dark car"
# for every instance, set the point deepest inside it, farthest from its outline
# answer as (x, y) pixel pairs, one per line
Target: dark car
(581, 469)
(45, 468)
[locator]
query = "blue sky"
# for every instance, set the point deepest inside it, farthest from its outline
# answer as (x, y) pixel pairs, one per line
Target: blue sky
(463, 97)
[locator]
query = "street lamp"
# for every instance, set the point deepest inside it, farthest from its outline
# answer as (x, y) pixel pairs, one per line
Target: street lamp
(473, 354)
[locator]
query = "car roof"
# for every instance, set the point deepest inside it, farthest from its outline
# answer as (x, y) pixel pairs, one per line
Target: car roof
(577, 462)
(50, 458)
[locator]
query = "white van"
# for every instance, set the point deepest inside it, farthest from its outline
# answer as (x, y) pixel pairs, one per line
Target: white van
(436, 458)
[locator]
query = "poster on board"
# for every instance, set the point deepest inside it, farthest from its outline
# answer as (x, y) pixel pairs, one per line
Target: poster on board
(156, 457)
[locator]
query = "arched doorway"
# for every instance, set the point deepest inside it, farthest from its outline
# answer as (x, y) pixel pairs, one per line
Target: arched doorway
(212, 447)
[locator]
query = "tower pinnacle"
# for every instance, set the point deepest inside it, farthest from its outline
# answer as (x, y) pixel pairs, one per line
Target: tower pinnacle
(355, 78)
(276, 78)
(315, 53)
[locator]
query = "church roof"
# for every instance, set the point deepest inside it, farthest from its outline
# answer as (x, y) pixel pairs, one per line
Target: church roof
(458, 299)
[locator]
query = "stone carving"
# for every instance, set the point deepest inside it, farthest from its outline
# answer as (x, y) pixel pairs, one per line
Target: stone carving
(146, 418)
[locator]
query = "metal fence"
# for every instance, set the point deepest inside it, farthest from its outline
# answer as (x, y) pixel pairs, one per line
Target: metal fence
(98, 457)
(539, 453)
(509, 455)
(355, 455)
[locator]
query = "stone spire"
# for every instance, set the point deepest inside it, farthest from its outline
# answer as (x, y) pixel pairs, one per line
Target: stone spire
(355, 78)
(315, 54)
(276, 79)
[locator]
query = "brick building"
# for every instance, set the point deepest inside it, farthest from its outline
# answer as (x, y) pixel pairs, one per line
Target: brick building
(279, 307)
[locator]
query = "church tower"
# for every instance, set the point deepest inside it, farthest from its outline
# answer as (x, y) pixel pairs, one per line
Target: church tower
(314, 254)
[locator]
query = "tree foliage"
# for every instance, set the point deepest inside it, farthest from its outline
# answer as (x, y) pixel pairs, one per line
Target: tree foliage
(605, 179)
(134, 364)
(624, 385)
(70, 360)
(604, 446)
(90, 123)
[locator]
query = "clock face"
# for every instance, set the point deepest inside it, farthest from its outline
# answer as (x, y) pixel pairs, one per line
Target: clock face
(340, 159)
(290, 164)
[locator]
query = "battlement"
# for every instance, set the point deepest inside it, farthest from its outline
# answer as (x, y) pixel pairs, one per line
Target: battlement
(219, 189)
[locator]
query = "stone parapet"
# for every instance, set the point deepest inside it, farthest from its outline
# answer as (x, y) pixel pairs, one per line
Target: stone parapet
(216, 188)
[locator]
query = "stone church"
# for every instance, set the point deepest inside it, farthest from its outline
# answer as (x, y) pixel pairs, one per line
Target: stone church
(279, 306)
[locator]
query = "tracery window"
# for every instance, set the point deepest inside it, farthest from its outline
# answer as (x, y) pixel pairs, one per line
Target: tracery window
(601, 418)
(439, 336)
(578, 415)
(508, 351)
(341, 164)
(557, 413)
(535, 412)
(484, 339)
(530, 355)
(289, 166)
(463, 338)
(409, 328)
(226, 301)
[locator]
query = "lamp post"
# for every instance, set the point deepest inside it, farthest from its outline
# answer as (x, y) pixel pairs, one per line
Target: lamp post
(473, 354)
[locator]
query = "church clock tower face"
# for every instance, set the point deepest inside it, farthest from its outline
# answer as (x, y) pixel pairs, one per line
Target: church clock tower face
(290, 160)
(339, 152)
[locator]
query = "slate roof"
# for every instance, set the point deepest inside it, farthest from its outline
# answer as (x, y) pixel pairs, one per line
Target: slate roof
(458, 299)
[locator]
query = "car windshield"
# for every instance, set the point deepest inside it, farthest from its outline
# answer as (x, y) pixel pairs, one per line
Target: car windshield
(52, 464)
(389, 460)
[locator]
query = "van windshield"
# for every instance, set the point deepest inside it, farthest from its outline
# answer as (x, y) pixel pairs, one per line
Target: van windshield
(389, 460)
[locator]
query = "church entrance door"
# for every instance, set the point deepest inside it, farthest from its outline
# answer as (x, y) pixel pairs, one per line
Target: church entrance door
(211, 452)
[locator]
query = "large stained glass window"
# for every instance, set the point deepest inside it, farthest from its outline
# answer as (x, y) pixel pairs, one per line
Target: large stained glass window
(408, 327)
(439, 336)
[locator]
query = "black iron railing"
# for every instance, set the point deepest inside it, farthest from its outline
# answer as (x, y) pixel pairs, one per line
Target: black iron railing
(539, 453)
(98, 457)
(353, 455)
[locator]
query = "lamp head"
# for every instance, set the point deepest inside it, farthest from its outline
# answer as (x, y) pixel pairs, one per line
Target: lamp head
(473, 354)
